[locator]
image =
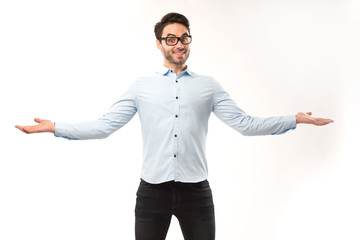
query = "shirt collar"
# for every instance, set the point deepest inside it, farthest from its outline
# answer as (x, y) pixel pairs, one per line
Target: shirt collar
(164, 71)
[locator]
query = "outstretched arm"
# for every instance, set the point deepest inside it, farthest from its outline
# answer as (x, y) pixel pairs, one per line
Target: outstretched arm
(42, 126)
(118, 115)
(227, 110)
(308, 119)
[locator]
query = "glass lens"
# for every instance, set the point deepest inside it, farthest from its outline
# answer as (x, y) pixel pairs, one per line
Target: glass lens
(185, 40)
(171, 41)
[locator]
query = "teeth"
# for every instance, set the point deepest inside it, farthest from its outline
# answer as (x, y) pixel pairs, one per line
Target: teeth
(177, 52)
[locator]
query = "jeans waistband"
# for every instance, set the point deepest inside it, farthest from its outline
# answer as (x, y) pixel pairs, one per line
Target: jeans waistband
(173, 184)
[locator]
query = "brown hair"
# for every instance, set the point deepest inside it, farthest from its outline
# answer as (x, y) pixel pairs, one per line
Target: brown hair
(169, 19)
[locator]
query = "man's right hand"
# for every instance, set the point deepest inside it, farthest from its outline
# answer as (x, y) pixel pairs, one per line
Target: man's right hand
(42, 126)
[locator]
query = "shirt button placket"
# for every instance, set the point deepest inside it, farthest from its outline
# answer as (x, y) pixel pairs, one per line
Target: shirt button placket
(176, 128)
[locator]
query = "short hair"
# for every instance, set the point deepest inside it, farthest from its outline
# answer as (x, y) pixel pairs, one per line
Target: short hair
(169, 19)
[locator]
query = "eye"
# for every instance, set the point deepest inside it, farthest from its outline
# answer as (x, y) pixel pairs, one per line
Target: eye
(186, 39)
(171, 40)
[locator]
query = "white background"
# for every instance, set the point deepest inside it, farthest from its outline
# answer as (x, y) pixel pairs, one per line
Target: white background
(70, 60)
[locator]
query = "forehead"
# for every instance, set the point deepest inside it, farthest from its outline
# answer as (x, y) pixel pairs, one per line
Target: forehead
(176, 29)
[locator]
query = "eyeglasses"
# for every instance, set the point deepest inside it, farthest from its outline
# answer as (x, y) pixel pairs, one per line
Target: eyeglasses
(172, 41)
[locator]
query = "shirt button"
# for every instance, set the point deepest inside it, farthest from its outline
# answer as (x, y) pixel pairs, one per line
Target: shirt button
(176, 81)
(175, 135)
(174, 155)
(177, 97)
(176, 116)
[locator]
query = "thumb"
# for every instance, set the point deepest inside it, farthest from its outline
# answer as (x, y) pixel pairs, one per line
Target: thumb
(38, 120)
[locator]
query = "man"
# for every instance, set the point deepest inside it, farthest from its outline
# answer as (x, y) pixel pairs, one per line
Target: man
(174, 106)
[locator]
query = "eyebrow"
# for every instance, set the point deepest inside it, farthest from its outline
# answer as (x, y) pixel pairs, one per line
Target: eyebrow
(173, 35)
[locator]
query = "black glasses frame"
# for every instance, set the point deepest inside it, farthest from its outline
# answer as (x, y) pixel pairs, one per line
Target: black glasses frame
(181, 39)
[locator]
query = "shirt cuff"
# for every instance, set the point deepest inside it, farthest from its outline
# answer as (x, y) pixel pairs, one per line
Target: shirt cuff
(289, 123)
(61, 130)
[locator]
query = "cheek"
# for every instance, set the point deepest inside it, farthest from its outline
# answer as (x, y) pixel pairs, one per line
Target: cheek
(187, 50)
(163, 48)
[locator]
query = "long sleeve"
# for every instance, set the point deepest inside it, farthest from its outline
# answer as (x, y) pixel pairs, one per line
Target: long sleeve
(118, 115)
(227, 111)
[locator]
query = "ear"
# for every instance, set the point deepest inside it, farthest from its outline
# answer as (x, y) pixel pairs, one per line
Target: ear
(158, 44)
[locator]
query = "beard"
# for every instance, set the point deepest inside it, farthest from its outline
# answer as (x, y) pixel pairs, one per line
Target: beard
(173, 60)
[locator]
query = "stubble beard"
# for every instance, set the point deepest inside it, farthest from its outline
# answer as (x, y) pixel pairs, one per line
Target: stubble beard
(172, 60)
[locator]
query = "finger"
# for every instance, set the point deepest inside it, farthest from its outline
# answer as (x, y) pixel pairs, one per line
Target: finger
(323, 121)
(21, 128)
(29, 129)
(309, 113)
(327, 121)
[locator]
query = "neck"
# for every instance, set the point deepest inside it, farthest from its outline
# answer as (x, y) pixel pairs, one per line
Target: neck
(177, 68)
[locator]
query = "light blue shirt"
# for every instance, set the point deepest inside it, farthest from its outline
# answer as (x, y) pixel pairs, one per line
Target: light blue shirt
(174, 113)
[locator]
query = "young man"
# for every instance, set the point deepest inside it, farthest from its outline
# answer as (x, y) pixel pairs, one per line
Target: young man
(174, 106)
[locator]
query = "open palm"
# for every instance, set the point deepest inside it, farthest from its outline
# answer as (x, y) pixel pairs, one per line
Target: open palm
(42, 126)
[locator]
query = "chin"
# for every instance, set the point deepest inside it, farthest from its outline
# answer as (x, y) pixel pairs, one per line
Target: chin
(180, 61)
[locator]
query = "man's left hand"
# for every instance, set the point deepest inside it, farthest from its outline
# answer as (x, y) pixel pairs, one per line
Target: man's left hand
(308, 119)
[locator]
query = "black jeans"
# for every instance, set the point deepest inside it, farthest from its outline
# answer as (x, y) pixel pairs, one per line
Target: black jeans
(191, 203)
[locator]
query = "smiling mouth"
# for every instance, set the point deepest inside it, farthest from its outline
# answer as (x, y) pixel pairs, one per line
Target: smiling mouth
(179, 52)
